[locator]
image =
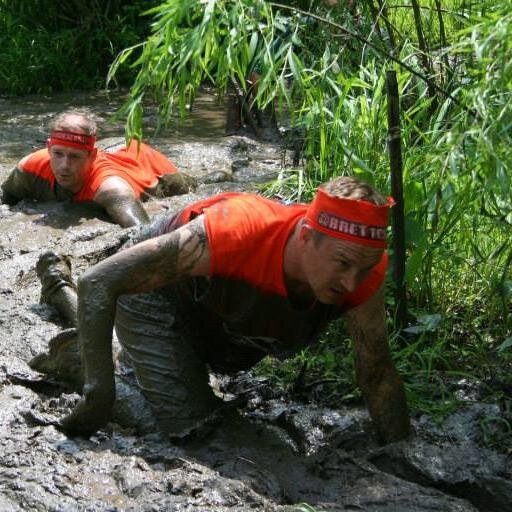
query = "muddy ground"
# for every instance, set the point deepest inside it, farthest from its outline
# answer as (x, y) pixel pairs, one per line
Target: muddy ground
(270, 455)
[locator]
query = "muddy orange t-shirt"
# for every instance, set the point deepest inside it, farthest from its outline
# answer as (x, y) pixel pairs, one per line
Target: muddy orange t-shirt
(246, 291)
(140, 166)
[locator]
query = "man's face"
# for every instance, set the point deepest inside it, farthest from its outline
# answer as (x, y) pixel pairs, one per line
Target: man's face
(334, 267)
(70, 165)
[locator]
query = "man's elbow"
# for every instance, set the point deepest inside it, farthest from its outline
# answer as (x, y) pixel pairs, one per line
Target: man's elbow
(93, 286)
(128, 221)
(7, 198)
(127, 211)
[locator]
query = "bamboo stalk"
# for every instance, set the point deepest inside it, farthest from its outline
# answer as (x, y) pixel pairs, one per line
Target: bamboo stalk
(395, 160)
(375, 15)
(442, 40)
(384, 15)
(424, 54)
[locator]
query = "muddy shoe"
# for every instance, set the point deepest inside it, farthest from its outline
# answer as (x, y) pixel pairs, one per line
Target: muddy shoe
(63, 361)
(175, 184)
(58, 288)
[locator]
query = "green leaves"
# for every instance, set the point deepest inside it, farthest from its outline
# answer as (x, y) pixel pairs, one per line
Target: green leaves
(426, 323)
(47, 51)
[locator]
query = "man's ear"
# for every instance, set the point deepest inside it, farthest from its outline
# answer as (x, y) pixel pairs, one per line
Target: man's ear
(93, 153)
(305, 232)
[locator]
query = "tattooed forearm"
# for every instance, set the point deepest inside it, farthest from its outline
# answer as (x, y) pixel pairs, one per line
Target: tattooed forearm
(147, 265)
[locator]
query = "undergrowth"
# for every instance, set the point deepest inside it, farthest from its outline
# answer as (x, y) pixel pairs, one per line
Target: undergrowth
(62, 46)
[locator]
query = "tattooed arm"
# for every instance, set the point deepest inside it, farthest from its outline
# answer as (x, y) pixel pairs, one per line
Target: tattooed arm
(377, 377)
(145, 266)
(118, 199)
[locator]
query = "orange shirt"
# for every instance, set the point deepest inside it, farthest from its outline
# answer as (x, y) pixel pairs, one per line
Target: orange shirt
(245, 295)
(247, 235)
(140, 169)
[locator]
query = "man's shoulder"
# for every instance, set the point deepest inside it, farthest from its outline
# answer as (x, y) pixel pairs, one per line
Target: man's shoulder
(247, 236)
(250, 215)
(32, 178)
(111, 144)
(37, 163)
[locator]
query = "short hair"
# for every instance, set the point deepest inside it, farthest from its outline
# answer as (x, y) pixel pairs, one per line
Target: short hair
(75, 118)
(353, 188)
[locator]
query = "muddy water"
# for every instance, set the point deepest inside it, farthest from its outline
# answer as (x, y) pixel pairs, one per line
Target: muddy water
(270, 454)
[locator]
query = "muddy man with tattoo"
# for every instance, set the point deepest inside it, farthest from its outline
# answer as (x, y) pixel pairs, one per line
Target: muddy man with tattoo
(228, 280)
(109, 174)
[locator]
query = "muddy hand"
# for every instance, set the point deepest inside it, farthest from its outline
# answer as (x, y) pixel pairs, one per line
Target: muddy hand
(175, 184)
(91, 413)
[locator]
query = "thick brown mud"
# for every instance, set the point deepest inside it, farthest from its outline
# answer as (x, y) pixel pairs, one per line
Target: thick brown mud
(270, 454)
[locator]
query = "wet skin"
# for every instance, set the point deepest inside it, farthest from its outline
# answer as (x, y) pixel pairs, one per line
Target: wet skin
(119, 201)
(141, 268)
(311, 270)
(377, 377)
(332, 267)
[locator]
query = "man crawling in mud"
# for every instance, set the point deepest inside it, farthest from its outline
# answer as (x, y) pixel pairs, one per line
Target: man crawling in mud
(228, 280)
(73, 167)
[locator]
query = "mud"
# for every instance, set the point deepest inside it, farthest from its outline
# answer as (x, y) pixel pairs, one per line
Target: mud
(270, 454)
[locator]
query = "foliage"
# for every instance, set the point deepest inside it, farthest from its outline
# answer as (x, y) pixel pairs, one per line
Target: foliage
(67, 45)
(215, 41)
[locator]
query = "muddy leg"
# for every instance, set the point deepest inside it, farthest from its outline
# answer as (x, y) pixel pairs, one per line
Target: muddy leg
(233, 114)
(63, 360)
(58, 288)
(171, 375)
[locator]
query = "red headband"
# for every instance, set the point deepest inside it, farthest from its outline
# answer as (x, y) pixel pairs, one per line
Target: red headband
(356, 220)
(72, 139)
